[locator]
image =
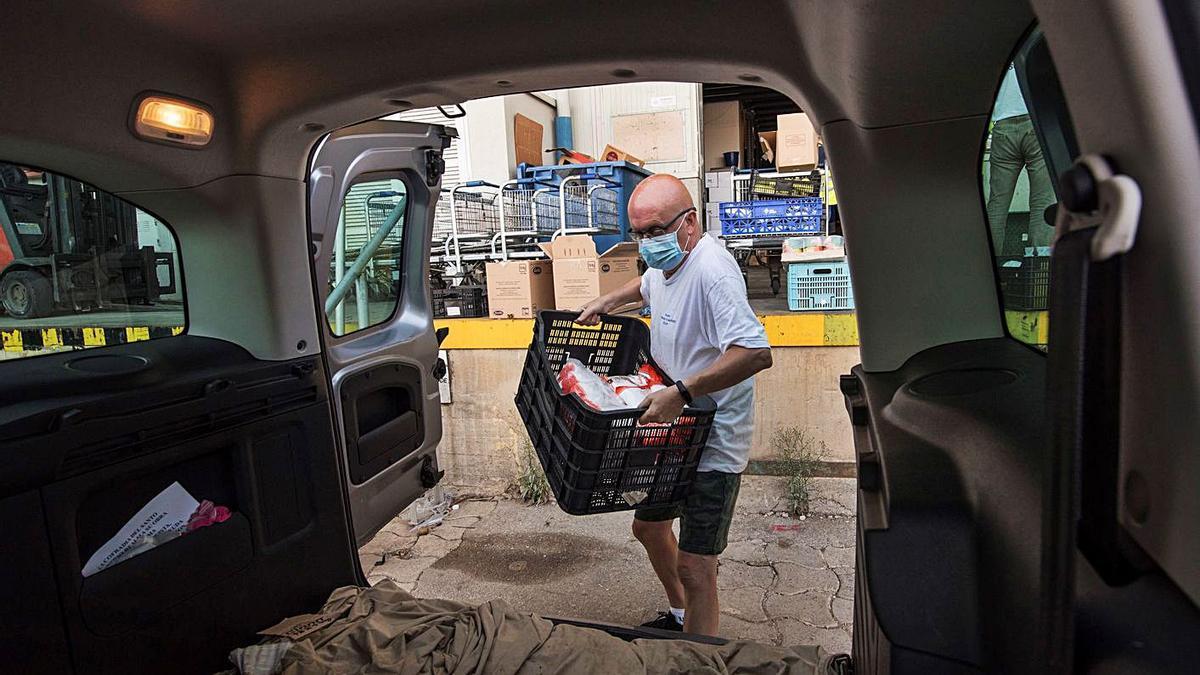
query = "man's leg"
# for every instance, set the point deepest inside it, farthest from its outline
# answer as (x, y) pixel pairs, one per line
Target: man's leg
(1041, 190)
(703, 533)
(659, 541)
(1005, 165)
(698, 573)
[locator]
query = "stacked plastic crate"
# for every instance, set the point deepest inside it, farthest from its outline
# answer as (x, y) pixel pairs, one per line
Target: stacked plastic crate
(771, 217)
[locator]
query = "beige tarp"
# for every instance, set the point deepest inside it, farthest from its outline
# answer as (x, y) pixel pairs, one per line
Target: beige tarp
(385, 630)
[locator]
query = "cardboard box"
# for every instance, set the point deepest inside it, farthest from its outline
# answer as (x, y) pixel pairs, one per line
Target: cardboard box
(795, 143)
(712, 217)
(580, 275)
(527, 140)
(519, 289)
(719, 186)
(723, 129)
(766, 139)
(570, 156)
(614, 154)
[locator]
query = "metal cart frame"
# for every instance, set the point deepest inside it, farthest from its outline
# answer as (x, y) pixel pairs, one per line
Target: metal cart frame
(578, 197)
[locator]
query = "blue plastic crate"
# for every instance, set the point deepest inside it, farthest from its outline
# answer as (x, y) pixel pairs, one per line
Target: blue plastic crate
(819, 286)
(771, 217)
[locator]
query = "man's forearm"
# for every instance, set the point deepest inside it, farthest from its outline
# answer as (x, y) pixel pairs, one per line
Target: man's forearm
(735, 365)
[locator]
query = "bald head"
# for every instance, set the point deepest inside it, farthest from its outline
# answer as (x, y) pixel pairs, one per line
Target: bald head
(657, 199)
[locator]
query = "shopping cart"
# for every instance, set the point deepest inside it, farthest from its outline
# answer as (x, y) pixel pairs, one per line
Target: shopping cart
(528, 214)
(474, 219)
(588, 204)
(546, 208)
(618, 177)
(382, 270)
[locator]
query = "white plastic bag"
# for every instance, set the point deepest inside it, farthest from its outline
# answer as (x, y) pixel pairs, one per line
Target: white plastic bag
(595, 392)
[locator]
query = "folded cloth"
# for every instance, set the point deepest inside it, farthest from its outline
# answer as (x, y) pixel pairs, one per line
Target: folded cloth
(385, 630)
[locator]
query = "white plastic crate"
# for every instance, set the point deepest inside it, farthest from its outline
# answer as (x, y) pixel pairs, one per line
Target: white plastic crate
(819, 286)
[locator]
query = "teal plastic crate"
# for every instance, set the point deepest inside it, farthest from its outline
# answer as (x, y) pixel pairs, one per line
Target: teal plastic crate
(819, 286)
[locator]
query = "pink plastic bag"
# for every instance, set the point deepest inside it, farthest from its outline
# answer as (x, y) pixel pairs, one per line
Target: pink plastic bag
(207, 514)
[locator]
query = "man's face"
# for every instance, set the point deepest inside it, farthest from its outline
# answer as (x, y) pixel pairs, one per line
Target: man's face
(682, 224)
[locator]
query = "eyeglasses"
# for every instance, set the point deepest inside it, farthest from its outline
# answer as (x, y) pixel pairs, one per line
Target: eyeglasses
(660, 230)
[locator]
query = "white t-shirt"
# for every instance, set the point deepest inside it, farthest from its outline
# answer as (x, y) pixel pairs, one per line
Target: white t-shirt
(697, 314)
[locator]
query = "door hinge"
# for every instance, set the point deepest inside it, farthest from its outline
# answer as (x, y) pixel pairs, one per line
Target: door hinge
(435, 167)
(430, 476)
(1093, 195)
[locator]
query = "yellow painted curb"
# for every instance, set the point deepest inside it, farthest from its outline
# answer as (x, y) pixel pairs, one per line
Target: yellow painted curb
(783, 330)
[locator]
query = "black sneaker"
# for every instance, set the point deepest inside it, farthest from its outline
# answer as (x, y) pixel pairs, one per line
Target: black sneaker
(665, 621)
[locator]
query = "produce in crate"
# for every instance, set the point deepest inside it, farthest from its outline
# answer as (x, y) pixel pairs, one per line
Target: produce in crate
(618, 392)
(596, 460)
(635, 396)
(593, 390)
(633, 389)
(622, 392)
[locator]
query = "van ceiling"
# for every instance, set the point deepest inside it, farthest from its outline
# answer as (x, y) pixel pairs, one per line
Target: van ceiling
(277, 79)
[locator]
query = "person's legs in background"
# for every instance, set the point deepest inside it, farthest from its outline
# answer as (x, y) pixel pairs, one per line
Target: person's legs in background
(1007, 159)
(1041, 190)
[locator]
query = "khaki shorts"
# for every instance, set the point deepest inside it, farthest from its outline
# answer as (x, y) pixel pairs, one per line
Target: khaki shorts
(704, 518)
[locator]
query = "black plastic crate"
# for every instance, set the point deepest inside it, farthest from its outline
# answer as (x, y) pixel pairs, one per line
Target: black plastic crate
(1024, 282)
(604, 461)
(460, 302)
(787, 186)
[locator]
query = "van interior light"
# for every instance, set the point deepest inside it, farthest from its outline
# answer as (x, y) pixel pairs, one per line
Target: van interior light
(164, 119)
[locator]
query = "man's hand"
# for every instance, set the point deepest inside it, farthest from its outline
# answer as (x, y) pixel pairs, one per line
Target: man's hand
(590, 314)
(662, 407)
(629, 293)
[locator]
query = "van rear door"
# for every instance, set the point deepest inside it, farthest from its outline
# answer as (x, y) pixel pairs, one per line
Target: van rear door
(372, 192)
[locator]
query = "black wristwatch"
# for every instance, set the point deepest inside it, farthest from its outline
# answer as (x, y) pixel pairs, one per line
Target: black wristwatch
(683, 391)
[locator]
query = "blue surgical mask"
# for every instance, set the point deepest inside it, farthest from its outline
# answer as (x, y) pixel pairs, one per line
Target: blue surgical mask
(662, 252)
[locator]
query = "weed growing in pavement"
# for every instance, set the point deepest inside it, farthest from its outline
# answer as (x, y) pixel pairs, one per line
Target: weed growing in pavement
(531, 480)
(801, 456)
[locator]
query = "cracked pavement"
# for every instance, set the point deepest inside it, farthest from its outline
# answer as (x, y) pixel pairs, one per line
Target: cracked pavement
(782, 580)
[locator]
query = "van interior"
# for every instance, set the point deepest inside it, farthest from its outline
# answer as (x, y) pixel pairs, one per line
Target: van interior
(1019, 510)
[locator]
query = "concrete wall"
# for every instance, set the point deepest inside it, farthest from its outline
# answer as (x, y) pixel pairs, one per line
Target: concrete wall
(489, 152)
(594, 108)
(485, 139)
(487, 135)
(483, 432)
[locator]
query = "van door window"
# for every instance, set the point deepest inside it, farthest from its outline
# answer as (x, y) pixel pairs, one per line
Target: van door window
(1028, 141)
(365, 274)
(80, 267)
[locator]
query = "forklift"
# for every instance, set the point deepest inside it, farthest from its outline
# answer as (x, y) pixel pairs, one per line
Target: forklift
(66, 246)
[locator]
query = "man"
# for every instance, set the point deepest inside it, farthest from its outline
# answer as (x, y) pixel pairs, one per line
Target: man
(1014, 147)
(705, 336)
